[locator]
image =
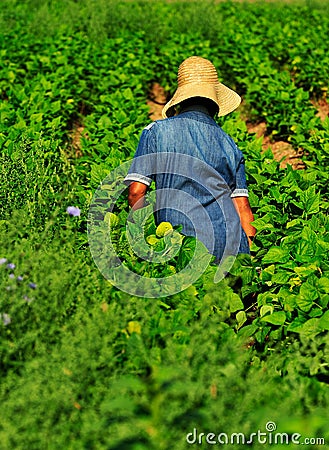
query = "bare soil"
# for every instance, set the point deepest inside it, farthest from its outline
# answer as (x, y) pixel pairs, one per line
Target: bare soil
(282, 151)
(76, 134)
(322, 106)
(156, 101)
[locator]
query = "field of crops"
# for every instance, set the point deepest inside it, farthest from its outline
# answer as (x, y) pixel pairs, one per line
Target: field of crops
(88, 364)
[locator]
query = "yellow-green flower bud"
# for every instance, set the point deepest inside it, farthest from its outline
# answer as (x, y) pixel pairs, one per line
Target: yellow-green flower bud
(152, 239)
(111, 219)
(163, 229)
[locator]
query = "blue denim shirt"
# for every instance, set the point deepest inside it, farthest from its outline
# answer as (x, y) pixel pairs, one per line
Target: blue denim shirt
(197, 169)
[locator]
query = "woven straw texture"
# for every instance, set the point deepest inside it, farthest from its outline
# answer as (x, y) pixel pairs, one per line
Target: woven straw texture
(197, 77)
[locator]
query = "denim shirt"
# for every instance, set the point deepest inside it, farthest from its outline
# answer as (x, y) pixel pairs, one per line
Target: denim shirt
(197, 169)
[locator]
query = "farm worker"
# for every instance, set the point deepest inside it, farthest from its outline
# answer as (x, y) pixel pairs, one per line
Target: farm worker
(196, 166)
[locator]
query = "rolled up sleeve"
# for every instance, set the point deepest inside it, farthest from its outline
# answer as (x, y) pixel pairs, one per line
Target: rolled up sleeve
(141, 169)
(241, 189)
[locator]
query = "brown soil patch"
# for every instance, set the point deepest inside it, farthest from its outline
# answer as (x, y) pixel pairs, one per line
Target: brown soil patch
(76, 134)
(282, 150)
(322, 106)
(156, 101)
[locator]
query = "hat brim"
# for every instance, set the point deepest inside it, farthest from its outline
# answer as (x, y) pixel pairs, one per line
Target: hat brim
(225, 98)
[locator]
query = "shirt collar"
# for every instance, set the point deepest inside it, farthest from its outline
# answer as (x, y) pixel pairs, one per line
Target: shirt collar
(196, 108)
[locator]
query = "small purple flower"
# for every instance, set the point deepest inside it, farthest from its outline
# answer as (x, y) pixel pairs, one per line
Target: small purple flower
(3, 261)
(11, 275)
(32, 285)
(73, 211)
(19, 278)
(5, 319)
(11, 266)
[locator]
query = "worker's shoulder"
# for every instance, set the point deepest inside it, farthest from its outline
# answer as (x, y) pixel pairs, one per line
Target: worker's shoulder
(226, 137)
(149, 126)
(158, 124)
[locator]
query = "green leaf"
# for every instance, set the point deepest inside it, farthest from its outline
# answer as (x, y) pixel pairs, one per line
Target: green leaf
(262, 334)
(298, 204)
(247, 275)
(324, 321)
(277, 334)
(277, 318)
(308, 291)
(311, 328)
(37, 117)
(323, 285)
(98, 173)
(135, 231)
(276, 255)
(305, 271)
(316, 312)
(241, 318)
(55, 122)
(262, 224)
(248, 330)
(55, 106)
(311, 200)
(128, 94)
(186, 252)
(304, 251)
(281, 277)
(265, 309)
(141, 215)
(296, 325)
(294, 223)
(303, 303)
(164, 305)
(105, 122)
(324, 300)
(260, 179)
(289, 302)
(235, 303)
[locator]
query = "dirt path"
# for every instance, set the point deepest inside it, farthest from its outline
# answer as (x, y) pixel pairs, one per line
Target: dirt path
(282, 150)
(76, 134)
(322, 106)
(156, 101)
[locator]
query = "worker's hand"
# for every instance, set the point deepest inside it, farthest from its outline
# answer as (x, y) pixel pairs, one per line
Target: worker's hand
(136, 194)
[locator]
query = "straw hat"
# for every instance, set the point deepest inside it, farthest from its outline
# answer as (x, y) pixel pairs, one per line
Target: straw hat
(197, 77)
